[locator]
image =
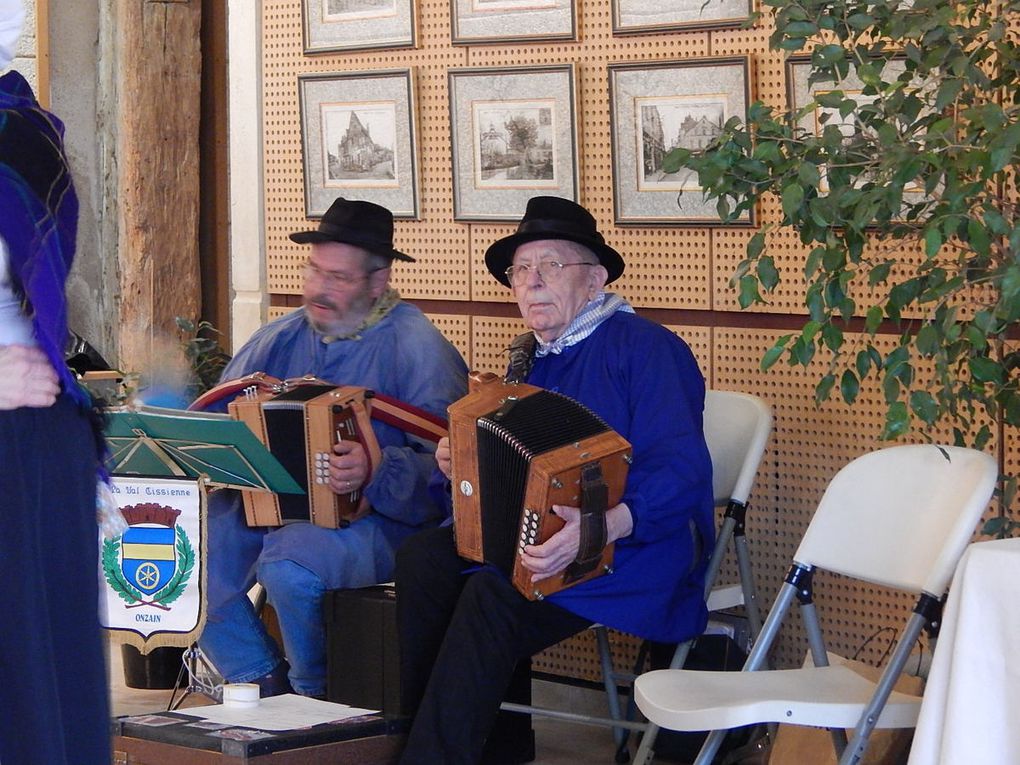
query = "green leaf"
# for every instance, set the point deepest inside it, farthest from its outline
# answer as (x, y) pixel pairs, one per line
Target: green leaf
(849, 386)
(932, 241)
(927, 341)
(814, 258)
(879, 273)
(793, 195)
(985, 370)
(833, 336)
(890, 388)
(792, 44)
(773, 354)
(800, 29)
(767, 273)
(756, 245)
(923, 405)
(948, 90)
(824, 387)
(674, 159)
(977, 236)
(808, 174)
(897, 421)
(749, 294)
(802, 351)
(810, 330)
(863, 364)
(860, 21)
(873, 320)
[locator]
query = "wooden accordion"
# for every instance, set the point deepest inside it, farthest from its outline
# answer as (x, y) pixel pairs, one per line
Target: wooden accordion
(300, 426)
(516, 451)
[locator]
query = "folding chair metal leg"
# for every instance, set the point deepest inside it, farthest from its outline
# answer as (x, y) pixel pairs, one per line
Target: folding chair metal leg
(819, 658)
(651, 732)
(759, 652)
(722, 543)
(854, 752)
(747, 583)
(612, 689)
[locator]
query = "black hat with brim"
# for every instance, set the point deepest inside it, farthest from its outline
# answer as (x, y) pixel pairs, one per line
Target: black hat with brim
(553, 218)
(352, 221)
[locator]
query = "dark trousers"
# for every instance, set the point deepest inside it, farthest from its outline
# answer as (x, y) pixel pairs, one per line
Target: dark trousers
(462, 632)
(53, 688)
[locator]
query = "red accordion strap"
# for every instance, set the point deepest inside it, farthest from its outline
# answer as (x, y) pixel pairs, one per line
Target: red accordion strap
(392, 411)
(409, 418)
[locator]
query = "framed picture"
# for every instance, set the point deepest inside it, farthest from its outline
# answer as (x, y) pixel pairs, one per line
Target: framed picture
(801, 93)
(658, 106)
(512, 21)
(644, 16)
(358, 140)
(514, 137)
(334, 25)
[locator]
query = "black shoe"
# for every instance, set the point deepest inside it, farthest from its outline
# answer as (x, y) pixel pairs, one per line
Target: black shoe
(275, 682)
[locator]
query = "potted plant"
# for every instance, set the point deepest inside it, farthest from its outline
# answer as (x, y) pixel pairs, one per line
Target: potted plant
(906, 199)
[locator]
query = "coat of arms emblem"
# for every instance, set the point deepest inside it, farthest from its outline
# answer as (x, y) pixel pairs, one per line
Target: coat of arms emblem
(150, 563)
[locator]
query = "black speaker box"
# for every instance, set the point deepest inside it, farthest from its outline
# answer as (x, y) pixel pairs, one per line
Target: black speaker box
(362, 649)
(363, 668)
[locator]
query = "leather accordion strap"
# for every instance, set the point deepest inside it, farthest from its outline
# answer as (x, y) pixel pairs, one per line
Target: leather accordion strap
(229, 389)
(594, 503)
(384, 408)
(408, 418)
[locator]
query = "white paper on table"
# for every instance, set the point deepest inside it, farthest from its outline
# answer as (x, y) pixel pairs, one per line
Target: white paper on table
(287, 712)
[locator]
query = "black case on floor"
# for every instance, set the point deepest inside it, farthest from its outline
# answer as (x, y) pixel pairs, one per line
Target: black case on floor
(363, 668)
(362, 649)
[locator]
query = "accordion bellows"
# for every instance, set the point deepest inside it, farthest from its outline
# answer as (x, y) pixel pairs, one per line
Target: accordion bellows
(516, 451)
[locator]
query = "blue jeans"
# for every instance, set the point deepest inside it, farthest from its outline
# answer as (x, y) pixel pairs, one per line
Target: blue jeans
(296, 564)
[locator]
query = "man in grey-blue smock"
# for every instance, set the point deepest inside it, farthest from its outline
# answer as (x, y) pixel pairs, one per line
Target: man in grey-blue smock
(353, 329)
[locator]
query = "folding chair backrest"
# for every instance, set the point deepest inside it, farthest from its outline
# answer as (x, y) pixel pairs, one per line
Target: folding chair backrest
(737, 428)
(901, 516)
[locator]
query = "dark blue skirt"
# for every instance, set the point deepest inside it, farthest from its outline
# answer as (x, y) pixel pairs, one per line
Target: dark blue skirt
(54, 705)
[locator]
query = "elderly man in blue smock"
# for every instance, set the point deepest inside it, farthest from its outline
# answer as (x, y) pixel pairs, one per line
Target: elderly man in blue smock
(353, 329)
(463, 628)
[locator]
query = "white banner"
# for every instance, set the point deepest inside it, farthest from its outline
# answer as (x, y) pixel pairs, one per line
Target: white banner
(153, 575)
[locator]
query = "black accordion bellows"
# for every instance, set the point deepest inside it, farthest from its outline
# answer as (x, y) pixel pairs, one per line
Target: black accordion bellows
(508, 439)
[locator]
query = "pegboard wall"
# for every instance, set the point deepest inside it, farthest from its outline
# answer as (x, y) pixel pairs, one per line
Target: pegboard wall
(680, 272)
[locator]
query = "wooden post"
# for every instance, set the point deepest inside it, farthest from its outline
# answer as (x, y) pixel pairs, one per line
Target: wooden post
(157, 78)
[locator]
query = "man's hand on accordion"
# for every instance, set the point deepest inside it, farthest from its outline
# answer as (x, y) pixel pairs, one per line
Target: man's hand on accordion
(348, 467)
(560, 550)
(443, 456)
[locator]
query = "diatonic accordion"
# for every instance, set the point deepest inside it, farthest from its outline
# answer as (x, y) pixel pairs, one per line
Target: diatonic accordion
(516, 451)
(300, 426)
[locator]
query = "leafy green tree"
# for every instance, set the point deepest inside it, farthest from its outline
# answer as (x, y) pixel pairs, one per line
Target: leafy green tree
(909, 218)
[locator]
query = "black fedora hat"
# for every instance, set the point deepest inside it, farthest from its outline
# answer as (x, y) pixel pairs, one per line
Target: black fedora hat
(553, 218)
(352, 221)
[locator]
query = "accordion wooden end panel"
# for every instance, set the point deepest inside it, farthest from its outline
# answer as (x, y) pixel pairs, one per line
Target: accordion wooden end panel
(300, 428)
(516, 451)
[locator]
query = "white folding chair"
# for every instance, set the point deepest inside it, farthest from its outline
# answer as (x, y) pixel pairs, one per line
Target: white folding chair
(898, 517)
(737, 428)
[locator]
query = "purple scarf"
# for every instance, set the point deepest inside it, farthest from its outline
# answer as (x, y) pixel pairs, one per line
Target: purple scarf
(38, 217)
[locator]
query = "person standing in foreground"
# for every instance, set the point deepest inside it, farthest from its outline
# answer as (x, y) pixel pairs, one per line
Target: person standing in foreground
(463, 627)
(352, 330)
(54, 705)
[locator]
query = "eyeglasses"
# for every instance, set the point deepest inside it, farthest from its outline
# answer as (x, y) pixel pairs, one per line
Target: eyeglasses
(549, 271)
(333, 280)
